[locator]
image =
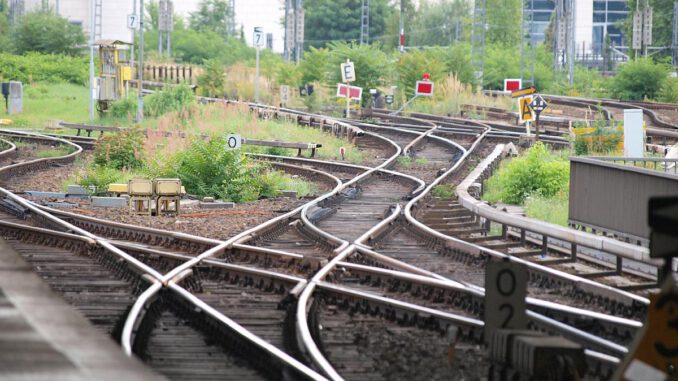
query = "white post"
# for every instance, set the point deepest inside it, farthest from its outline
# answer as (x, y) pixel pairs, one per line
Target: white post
(91, 62)
(140, 108)
(256, 79)
(634, 143)
(348, 99)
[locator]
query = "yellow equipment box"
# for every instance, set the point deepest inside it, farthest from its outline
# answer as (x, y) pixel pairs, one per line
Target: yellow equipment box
(117, 188)
(140, 187)
(167, 187)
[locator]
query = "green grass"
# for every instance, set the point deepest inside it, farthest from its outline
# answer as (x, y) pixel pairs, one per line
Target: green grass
(43, 102)
(55, 152)
(443, 191)
(220, 119)
(550, 209)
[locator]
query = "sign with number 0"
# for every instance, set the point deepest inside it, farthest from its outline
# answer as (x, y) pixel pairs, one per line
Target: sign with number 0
(233, 141)
(505, 289)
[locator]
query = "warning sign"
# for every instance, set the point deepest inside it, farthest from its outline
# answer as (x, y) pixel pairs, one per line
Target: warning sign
(525, 112)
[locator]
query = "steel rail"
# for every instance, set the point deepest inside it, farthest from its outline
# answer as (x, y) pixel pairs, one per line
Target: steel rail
(10, 151)
(607, 245)
(286, 359)
(304, 337)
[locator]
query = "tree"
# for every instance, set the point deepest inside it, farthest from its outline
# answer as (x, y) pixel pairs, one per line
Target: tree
(503, 21)
(639, 79)
(211, 82)
(328, 21)
(372, 66)
(662, 22)
(47, 33)
(435, 22)
(213, 15)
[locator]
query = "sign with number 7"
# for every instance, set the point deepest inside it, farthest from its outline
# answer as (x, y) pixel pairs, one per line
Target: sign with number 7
(258, 38)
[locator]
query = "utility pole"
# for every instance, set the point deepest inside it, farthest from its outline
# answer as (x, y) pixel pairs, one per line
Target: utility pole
(527, 42)
(286, 47)
(91, 60)
(299, 30)
(365, 23)
(674, 45)
(231, 8)
(571, 40)
(140, 106)
(134, 12)
(478, 41)
(402, 27)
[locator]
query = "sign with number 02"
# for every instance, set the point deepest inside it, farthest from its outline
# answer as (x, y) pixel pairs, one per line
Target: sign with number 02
(505, 288)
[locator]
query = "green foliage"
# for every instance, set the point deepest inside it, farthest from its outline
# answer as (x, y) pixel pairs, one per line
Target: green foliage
(44, 67)
(211, 81)
(372, 66)
(501, 61)
(414, 64)
(435, 22)
(553, 209)
(314, 65)
(100, 177)
(171, 99)
(538, 171)
(669, 90)
(213, 16)
(443, 191)
(207, 169)
(124, 108)
(123, 149)
(639, 79)
(503, 22)
(46, 33)
(327, 21)
(457, 59)
(272, 182)
(55, 152)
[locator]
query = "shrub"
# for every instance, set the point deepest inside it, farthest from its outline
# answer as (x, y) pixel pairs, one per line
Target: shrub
(171, 99)
(211, 81)
(120, 150)
(443, 191)
(44, 67)
(100, 177)
(639, 79)
(669, 90)
(207, 169)
(538, 171)
(124, 108)
(47, 33)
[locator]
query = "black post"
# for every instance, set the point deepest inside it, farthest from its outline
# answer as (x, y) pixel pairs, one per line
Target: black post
(536, 126)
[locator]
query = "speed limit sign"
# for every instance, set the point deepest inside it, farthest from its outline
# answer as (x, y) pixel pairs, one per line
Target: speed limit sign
(233, 141)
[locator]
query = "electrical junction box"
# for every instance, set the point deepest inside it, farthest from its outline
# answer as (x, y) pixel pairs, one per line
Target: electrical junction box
(140, 187)
(167, 187)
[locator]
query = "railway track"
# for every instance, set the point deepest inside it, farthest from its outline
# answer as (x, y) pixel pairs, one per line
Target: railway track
(317, 291)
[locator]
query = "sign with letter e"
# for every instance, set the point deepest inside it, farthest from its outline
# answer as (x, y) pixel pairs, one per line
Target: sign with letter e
(347, 72)
(505, 288)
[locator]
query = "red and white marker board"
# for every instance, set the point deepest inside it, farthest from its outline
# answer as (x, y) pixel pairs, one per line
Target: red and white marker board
(512, 84)
(424, 88)
(356, 92)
